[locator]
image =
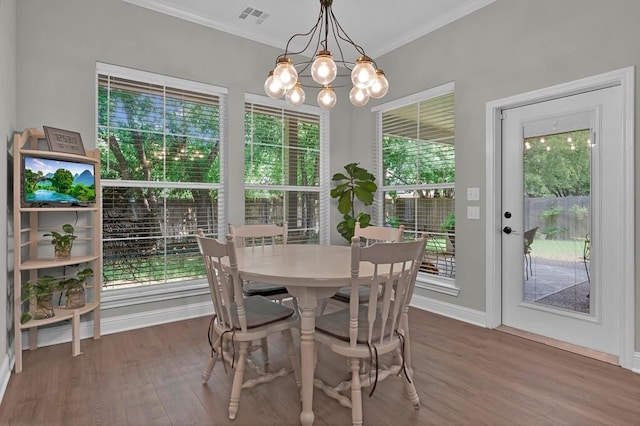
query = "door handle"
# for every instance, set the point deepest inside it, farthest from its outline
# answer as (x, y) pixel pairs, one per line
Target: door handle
(507, 230)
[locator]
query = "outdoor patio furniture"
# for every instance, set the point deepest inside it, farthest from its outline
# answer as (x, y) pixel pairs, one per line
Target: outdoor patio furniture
(528, 240)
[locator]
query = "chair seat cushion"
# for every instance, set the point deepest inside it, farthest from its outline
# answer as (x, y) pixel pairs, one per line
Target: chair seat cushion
(252, 288)
(344, 294)
(336, 324)
(261, 311)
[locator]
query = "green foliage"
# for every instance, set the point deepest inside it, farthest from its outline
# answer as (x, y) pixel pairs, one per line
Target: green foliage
(550, 216)
(79, 280)
(62, 180)
(450, 223)
(62, 240)
(557, 167)
(409, 162)
(43, 286)
(579, 211)
(359, 184)
(551, 213)
(47, 284)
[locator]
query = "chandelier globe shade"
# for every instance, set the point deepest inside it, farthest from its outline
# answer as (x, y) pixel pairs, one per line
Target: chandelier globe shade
(364, 73)
(327, 98)
(286, 73)
(325, 72)
(380, 86)
(358, 97)
(324, 69)
(296, 95)
(273, 87)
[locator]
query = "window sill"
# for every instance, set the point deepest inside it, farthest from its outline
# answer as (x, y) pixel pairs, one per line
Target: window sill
(116, 298)
(437, 284)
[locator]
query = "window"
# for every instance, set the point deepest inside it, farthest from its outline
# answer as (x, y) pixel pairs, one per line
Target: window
(416, 148)
(161, 149)
(285, 176)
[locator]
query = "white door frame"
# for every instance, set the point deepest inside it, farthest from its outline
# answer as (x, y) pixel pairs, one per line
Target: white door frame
(623, 77)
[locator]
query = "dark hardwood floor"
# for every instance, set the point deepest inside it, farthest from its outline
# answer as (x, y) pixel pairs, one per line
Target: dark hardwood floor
(465, 375)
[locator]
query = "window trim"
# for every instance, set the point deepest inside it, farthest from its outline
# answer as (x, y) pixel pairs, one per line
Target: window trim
(424, 281)
(324, 188)
(142, 294)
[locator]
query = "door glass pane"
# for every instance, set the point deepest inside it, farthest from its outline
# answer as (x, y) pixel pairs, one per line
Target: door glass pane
(557, 220)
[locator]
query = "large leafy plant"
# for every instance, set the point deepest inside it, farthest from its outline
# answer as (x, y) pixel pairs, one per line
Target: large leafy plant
(359, 184)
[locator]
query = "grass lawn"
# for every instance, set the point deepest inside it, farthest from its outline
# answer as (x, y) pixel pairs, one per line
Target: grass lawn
(558, 249)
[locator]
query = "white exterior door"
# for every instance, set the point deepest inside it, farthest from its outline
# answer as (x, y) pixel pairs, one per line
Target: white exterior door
(562, 180)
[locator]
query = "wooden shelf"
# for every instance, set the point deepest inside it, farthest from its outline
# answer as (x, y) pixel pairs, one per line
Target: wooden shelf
(53, 263)
(31, 223)
(61, 314)
(58, 155)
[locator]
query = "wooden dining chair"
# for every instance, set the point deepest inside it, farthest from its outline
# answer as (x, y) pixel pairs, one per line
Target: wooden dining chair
(367, 331)
(239, 320)
(368, 236)
(261, 235)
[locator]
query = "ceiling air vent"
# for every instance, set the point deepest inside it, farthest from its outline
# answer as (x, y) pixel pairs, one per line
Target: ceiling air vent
(254, 14)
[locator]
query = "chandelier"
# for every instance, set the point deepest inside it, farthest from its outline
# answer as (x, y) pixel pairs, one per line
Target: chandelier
(289, 79)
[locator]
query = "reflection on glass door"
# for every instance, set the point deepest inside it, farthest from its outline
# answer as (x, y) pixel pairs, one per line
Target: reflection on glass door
(557, 220)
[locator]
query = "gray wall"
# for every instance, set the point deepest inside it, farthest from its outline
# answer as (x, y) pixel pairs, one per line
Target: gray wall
(509, 47)
(7, 126)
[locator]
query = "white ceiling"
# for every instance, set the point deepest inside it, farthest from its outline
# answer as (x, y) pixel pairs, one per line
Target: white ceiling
(379, 26)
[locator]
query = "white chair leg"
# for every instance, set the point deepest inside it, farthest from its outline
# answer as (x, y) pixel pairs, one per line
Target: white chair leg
(209, 368)
(217, 346)
(356, 393)
(412, 394)
(238, 377)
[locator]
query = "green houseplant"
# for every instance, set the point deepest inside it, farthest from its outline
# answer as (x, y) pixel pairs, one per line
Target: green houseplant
(359, 184)
(40, 295)
(62, 242)
(74, 288)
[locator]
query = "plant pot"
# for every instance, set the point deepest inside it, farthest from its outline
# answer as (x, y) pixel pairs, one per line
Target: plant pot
(63, 253)
(75, 297)
(44, 307)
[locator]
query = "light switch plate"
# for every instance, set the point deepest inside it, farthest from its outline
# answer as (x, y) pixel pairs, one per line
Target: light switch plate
(473, 194)
(473, 212)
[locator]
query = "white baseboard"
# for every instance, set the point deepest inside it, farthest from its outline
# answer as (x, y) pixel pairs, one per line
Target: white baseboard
(635, 365)
(62, 333)
(450, 310)
(5, 374)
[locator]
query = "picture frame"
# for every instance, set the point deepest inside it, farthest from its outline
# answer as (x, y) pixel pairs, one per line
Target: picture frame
(66, 141)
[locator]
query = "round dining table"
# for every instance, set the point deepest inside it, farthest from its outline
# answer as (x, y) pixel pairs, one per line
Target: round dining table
(310, 273)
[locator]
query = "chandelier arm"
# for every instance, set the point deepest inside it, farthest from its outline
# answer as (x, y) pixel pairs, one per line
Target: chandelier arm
(342, 35)
(324, 10)
(335, 37)
(311, 32)
(286, 71)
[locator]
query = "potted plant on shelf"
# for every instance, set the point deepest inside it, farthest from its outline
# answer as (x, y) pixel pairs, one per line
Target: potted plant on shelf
(40, 295)
(62, 242)
(74, 288)
(359, 184)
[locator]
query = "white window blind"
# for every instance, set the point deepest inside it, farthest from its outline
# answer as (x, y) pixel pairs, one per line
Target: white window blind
(161, 143)
(416, 151)
(284, 175)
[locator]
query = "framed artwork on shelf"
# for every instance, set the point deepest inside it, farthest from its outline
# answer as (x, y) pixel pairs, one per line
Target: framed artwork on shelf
(64, 141)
